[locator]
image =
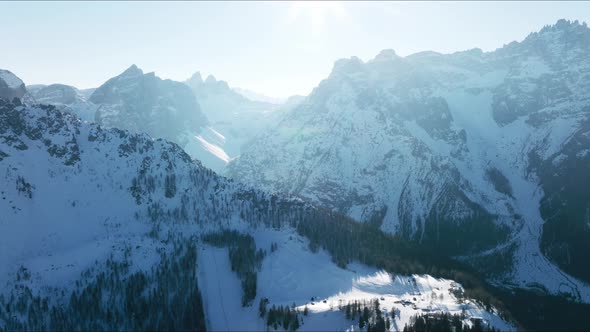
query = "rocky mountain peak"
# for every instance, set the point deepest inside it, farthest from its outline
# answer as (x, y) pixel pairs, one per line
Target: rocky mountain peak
(210, 79)
(565, 26)
(11, 86)
(209, 85)
(145, 103)
(132, 71)
(563, 36)
(347, 67)
(347, 64)
(386, 55)
(195, 79)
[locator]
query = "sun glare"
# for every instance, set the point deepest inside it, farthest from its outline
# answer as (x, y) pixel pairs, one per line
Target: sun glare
(315, 11)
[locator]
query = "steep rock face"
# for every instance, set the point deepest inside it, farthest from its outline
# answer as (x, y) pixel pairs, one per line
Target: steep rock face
(145, 103)
(11, 86)
(565, 207)
(438, 148)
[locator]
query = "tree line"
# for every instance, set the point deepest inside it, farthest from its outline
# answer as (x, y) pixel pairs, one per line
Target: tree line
(445, 322)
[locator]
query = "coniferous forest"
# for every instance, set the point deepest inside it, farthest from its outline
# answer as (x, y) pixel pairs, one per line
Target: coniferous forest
(112, 297)
(280, 317)
(445, 322)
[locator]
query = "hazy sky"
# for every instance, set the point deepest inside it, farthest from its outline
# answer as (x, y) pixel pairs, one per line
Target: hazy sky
(275, 48)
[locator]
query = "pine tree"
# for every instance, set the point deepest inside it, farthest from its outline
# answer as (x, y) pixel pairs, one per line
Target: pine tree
(295, 326)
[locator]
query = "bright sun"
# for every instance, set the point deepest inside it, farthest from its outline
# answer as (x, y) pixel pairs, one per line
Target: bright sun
(315, 11)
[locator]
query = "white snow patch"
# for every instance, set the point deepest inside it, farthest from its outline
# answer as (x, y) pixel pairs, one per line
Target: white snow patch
(213, 149)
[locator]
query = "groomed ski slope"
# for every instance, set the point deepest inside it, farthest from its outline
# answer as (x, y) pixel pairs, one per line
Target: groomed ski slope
(293, 275)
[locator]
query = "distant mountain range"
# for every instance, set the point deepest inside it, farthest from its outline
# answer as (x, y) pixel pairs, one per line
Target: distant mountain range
(208, 119)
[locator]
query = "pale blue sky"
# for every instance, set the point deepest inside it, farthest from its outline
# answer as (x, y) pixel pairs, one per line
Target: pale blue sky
(275, 48)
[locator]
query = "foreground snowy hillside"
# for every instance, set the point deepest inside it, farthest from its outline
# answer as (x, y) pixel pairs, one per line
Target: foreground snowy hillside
(101, 224)
(478, 155)
(292, 275)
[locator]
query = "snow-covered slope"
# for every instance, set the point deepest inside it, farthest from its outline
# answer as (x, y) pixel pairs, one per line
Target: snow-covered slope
(445, 150)
(77, 199)
(66, 184)
(233, 120)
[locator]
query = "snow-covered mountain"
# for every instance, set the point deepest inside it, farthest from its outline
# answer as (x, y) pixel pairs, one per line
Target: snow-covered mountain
(476, 154)
(233, 121)
(57, 94)
(64, 97)
(145, 103)
(95, 220)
